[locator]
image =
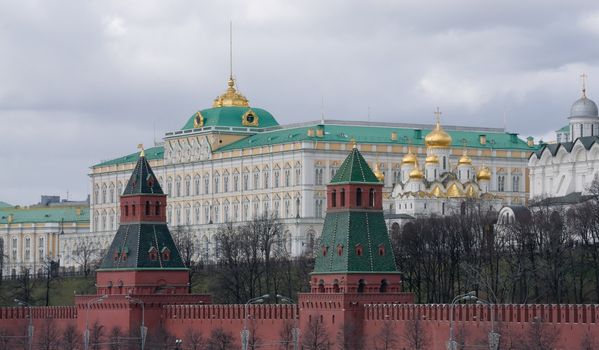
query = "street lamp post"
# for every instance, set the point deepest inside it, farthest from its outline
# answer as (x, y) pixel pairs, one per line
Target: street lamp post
(295, 331)
(86, 335)
(451, 343)
(245, 334)
(30, 327)
(494, 337)
(143, 330)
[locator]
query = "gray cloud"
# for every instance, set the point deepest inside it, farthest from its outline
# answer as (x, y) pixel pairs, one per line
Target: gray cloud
(83, 81)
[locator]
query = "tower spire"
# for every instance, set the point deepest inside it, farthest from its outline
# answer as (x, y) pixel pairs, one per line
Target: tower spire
(438, 116)
(231, 50)
(583, 78)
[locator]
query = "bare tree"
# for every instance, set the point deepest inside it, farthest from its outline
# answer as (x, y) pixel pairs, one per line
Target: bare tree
(85, 253)
(386, 338)
(286, 335)
(194, 340)
(116, 335)
(220, 340)
(540, 336)
(414, 333)
(350, 336)
(50, 273)
(96, 336)
(71, 339)
(24, 287)
(254, 339)
(188, 248)
(315, 336)
(48, 337)
(588, 342)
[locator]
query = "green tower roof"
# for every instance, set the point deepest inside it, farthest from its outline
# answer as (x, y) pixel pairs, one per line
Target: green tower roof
(142, 180)
(355, 240)
(142, 245)
(354, 169)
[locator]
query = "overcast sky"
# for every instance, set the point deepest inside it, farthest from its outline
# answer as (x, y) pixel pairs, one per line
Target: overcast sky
(85, 81)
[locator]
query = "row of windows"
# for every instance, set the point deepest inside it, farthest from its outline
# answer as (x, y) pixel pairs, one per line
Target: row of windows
(27, 248)
(501, 183)
(371, 198)
(231, 183)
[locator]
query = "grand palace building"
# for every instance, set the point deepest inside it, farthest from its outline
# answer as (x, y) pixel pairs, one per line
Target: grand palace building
(234, 161)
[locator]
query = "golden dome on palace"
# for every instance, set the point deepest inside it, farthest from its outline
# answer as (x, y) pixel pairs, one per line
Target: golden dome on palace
(416, 174)
(378, 173)
(409, 158)
(231, 98)
(483, 174)
(437, 138)
(432, 159)
(465, 160)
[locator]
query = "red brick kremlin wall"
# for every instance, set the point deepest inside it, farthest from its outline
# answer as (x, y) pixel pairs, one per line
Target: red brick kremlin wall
(570, 323)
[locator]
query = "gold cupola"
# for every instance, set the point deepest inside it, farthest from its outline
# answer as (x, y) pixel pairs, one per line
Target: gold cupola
(231, 98)
(437, 138)
(464, 159)
(378, 173)
(409, 158)
(416, 174)
(432, 159)
(483, 174)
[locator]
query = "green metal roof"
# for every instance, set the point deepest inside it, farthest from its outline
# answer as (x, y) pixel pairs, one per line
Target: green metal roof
(5, 205)
(354, 169)
(142, 180)
(380, 135)
(151, 154)
(347, 231)
(132, 248)
(345, 133)
(231, 116)
(44, 214)
(564, 129)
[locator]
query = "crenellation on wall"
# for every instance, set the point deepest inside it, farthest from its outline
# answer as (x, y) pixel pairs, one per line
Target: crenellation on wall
(230, 312)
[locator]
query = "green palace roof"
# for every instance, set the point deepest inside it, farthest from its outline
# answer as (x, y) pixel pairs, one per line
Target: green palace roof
(44, 214)
(354, 169)
(5, 205)
(362, 134)
(564, 129)
(232, 117)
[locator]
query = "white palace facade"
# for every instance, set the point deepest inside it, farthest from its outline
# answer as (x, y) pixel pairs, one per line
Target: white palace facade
(232, 162)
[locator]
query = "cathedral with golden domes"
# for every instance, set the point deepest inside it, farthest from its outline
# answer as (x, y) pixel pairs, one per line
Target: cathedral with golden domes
(444, 183)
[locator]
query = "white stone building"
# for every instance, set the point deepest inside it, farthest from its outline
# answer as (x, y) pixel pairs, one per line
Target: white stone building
(567, 167)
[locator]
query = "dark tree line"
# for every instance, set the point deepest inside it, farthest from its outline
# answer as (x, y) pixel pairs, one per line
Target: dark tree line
(253, 260)
(545, 254)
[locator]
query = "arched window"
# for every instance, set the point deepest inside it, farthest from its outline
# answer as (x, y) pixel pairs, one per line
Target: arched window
(361, 286)
(371, 197)
(381, 249)
(126, 210)
(157, 208)
(383, 287)
(342, 197)
(321, 286)
(133, 210)
(359, 197)
(336, 286)
(359, 250)
(147, 207)
(334, 198)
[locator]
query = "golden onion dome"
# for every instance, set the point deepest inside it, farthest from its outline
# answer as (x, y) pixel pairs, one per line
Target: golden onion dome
(378, 173)
(483, 174)
(231, 98)
(432, 159)
(465, 160)
(437, 138)
(409, 158)
(416, 173)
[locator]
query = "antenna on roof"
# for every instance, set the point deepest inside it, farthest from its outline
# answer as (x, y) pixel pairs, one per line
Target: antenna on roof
(584, 77)
(369, 113)
(231, 49)
(322, 110)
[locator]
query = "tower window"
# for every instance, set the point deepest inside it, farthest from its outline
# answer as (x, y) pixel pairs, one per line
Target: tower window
(166, 254)
(358, 249)
(147, 207)
(359, 197)
(342, 197)
(334, 198)
(126, 210)
(133, 210)
(339, 249)
(361, 286)
(157, 210)
(371, 197)
(382, 250)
